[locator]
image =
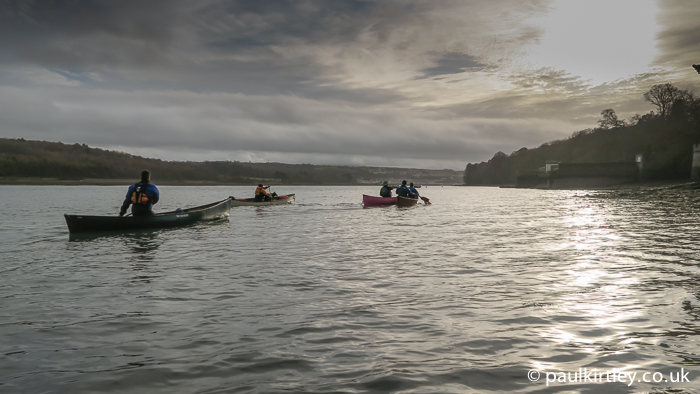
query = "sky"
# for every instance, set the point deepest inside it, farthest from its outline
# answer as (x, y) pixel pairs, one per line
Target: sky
(403, 83)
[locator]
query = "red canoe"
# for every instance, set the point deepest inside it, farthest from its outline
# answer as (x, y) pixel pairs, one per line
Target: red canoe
(406, 202)
(371, 201)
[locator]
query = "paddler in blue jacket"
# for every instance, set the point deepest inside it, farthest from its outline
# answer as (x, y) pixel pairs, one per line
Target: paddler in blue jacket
(402, 191)
(412, 192)
(142, 195)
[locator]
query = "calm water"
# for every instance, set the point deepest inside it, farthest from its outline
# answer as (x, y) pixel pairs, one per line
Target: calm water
(466, 295)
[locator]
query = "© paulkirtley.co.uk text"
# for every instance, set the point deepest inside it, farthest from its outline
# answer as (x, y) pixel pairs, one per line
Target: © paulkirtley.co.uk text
(585, 375)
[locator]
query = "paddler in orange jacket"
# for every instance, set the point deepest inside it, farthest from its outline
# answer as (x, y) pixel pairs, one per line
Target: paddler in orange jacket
(261, 194)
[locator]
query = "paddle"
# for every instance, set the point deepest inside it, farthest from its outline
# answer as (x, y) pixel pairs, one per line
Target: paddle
(426, 201)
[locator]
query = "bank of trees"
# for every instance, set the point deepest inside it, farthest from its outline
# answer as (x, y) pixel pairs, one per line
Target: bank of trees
(55, 160)
(664, 137)
(42, 159)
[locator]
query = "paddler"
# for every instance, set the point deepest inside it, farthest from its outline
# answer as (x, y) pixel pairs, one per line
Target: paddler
(261, 194)
(402, 191)
(412, 192)
(386, 190)
(141, 196)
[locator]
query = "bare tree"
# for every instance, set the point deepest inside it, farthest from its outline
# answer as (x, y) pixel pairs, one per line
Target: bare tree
(664, 95)
(609, 119)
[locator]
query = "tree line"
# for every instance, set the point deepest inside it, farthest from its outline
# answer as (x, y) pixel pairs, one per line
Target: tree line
(20, 158)
(663, 136)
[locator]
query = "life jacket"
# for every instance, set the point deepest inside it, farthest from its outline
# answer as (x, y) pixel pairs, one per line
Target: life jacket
(260, 191)
(139, 195)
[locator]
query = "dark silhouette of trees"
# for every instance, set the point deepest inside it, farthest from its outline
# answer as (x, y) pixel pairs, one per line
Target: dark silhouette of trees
(664, 138)
(637, 118)
(609, 119)
(664, 95)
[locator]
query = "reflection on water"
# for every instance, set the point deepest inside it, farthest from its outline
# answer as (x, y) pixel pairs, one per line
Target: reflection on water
(137, 235)
(465, 295)
(143, 245)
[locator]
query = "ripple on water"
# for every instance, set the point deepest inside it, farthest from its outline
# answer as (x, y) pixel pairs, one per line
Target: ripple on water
(465, 295)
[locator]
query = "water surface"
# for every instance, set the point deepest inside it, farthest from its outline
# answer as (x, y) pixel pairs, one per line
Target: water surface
(323, 296)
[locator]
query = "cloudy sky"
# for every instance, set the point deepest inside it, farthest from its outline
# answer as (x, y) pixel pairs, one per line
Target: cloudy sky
(410, 83)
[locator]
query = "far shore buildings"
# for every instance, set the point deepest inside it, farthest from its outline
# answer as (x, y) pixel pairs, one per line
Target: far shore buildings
(556, 175)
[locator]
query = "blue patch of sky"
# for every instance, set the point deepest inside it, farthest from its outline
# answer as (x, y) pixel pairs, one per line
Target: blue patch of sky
(452, 63)
(74, 75)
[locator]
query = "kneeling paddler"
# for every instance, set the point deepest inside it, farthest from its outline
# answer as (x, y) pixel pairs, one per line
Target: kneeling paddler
(141, 196)
(261, 194)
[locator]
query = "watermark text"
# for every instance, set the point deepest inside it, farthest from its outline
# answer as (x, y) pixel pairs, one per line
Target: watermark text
(585, 375)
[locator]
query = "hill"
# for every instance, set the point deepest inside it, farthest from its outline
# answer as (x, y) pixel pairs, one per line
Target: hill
(42, 162)
(664, 139)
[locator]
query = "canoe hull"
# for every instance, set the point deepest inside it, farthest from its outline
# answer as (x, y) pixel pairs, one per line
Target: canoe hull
(406, 202)
(372, 201)
(250, 202)
(87, 224)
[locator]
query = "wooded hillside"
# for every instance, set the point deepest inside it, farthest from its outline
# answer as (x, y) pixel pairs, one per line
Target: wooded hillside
(665, 139)
(41, 159)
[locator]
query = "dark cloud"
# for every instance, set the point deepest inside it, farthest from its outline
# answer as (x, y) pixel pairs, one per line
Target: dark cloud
(68, 34)
(196, 45)
(253, 23)
(679, 37)
(224, 45)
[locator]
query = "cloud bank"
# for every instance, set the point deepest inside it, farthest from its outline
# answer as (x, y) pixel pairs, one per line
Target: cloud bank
(402, 83)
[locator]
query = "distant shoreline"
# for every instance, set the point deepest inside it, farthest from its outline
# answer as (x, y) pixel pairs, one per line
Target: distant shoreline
(127, 182)
(105, 182)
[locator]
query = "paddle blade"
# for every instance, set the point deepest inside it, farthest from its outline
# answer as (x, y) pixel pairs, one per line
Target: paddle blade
(426, 200)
